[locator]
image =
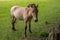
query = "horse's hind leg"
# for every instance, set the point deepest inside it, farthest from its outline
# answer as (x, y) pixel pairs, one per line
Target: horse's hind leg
(13, 22)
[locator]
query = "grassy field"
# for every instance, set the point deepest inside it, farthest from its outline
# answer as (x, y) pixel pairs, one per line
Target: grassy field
(49, 10)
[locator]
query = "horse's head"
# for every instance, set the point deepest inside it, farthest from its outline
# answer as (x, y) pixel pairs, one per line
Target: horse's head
(34, 11)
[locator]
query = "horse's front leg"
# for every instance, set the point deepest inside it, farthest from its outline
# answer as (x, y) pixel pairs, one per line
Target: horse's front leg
(13, 22)
(30, 26)
(25, 28)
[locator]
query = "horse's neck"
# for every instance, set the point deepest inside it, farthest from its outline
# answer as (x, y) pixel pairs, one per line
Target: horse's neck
(29, 11)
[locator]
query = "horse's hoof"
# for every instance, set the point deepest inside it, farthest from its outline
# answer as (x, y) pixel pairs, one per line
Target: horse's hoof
(13, 29)
(31, 32)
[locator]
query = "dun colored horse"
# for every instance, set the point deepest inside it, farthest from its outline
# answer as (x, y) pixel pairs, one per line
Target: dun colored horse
(25, 14)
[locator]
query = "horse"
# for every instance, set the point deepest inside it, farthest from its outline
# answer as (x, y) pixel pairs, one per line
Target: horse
(26, 14)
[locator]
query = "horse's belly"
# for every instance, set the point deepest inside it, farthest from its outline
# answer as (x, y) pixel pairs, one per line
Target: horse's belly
(18, 16)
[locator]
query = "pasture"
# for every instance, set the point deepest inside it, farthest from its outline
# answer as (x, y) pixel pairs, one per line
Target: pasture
(49, 10)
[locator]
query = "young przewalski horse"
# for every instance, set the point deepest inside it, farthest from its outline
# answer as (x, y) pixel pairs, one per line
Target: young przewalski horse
(25, 14)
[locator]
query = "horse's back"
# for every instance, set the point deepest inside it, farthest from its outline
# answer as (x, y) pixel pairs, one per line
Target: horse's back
(14, 8)
(18, 11)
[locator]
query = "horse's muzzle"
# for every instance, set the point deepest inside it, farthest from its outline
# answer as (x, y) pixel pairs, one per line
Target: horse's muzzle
(36, 20)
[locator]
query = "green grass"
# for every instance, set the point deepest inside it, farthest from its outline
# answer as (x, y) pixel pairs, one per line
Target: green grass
(49, 10)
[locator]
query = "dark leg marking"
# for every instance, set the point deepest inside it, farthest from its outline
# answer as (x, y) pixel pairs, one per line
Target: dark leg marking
(25, 29)
(13, 22)
(30, 27)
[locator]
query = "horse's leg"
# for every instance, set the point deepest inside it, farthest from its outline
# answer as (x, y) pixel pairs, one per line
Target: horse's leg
(25, 28)
(30, 26)
(13, 22)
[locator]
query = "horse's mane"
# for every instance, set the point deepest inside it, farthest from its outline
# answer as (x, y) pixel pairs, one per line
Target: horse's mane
(31, 5)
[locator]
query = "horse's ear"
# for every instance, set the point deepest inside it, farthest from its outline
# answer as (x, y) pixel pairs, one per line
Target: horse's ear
(30, 5)
(37, 5)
